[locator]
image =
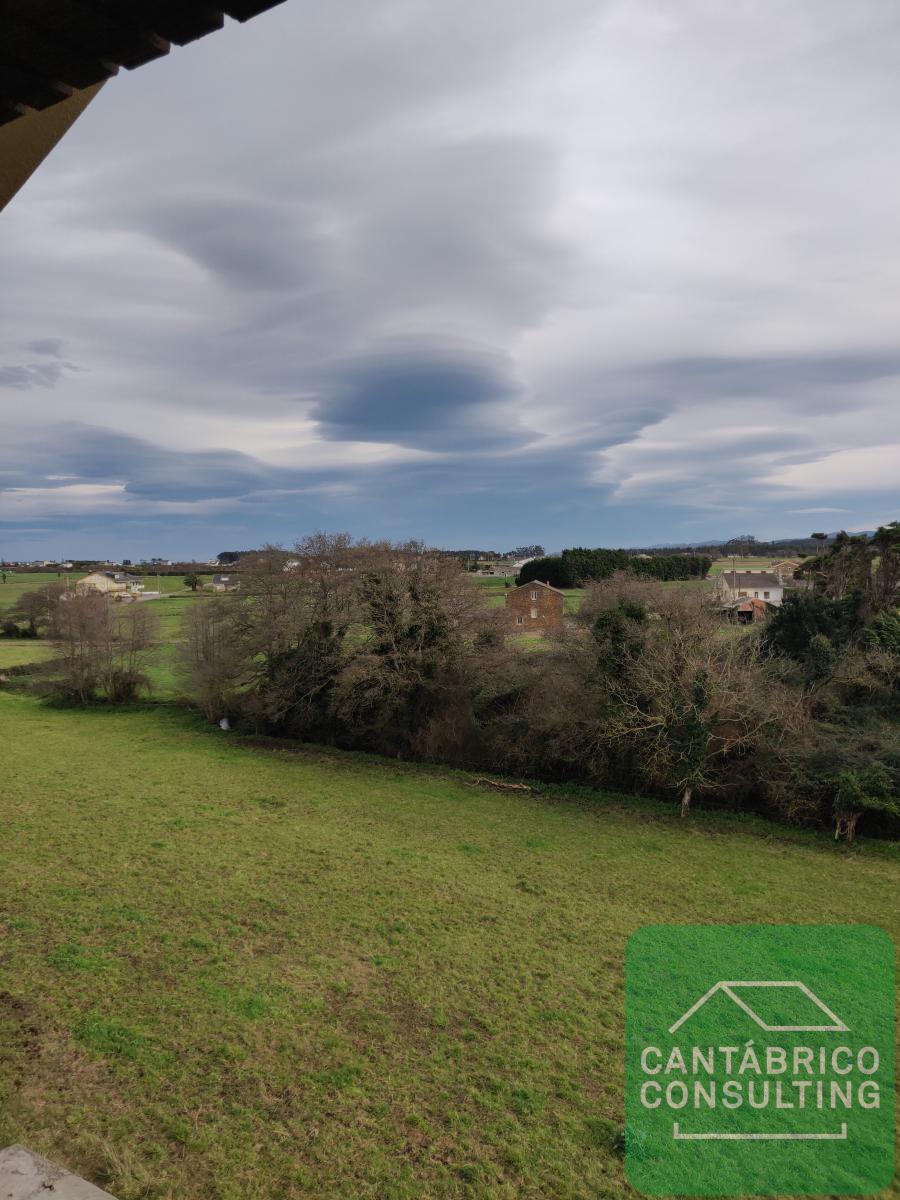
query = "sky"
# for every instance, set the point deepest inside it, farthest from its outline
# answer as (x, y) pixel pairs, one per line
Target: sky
(580, 272)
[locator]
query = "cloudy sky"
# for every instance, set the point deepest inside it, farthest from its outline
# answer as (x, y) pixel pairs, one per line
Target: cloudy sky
(573, 271)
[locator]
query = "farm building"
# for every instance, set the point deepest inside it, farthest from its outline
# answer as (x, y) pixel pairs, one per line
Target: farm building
(535, 608)
(786, 567)
(751, 585)
(119, 583)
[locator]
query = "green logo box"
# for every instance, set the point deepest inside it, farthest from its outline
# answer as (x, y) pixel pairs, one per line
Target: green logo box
(759, 1060)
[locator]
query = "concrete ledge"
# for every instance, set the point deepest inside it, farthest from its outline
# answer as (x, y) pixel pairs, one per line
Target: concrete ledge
(27, 1176)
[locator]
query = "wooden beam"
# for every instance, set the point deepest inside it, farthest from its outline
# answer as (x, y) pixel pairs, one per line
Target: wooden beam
(26, 142)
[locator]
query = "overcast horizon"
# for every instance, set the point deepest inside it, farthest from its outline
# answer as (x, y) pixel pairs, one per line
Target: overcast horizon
(588, 273)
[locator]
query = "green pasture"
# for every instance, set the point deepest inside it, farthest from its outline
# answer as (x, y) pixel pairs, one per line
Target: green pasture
(740, 563)
(17, 583)
(261, 975)
(16, 652)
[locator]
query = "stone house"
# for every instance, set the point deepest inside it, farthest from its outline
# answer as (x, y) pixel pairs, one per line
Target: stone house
(786, 567)
(534, 608)
(116, 583)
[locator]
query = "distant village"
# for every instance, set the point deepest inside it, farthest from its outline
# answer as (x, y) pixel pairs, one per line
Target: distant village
(743, 584)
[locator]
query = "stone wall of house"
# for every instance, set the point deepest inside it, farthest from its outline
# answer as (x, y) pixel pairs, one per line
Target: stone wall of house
(540, 609)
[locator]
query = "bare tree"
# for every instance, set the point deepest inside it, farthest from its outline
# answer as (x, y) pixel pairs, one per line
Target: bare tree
(103, 648)
(689, 698)
(126, 650)
(214, 659)
(35, 609)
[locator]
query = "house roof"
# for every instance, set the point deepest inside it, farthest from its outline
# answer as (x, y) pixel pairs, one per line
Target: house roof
(751, 579)
(116, 576)
(745, 604)
(52, 48)
(532, 583)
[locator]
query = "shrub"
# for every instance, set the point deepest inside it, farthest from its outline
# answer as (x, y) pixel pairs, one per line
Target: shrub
(867, 790)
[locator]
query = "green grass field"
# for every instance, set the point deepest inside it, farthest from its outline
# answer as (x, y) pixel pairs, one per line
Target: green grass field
(16, 584)
(16, 652)
(744, 564)
(245, 975)
(169, 612)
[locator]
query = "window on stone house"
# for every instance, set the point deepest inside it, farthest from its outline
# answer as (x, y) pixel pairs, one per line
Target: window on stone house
(520, 620)
(534, 613)
(534, 595)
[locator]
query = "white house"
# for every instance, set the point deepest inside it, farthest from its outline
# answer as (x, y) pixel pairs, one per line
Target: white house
(751, 585)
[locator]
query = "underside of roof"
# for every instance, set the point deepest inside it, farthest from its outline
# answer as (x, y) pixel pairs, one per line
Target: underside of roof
(51, 49)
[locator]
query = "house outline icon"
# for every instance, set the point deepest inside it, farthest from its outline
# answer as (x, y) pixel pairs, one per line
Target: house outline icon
(730, 988)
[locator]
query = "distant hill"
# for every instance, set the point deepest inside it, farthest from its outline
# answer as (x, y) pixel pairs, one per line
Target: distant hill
(746, 545)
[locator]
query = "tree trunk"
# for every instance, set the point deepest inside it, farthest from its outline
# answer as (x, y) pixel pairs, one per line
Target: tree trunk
(686, 801)
(845, 826)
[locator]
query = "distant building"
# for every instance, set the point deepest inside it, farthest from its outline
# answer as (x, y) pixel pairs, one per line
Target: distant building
(225, 583)
(786, 567)
(750, 585)
(746, 611)
(535, 608)
(110, 582)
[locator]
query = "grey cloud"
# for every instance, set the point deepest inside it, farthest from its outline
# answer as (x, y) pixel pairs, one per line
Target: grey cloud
(33, 375)
(427, 397)
(420, 223)
(89, 454)
(249, 242)
(51, 346)
(466, 233)
(786, 375)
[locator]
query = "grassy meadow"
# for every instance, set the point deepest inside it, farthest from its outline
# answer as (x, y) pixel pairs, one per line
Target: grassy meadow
(169, 612)
(248, 974)
(17, 583)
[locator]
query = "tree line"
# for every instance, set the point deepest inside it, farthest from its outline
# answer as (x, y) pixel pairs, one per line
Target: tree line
(578, 567)
(392, 649)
